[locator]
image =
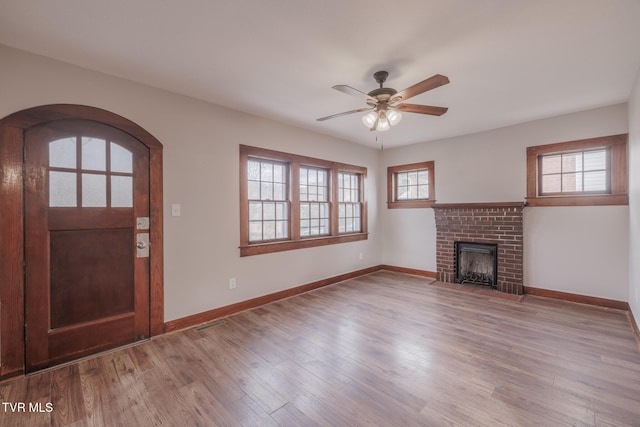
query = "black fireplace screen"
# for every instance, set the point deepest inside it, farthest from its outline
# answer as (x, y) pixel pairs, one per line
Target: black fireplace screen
(476, 263)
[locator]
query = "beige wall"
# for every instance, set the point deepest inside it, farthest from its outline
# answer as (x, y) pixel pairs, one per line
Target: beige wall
(634, 201)
(580, 250)
(201, 173)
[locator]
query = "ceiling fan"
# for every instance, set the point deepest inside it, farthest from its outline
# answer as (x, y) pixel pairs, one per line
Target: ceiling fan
(384, 103)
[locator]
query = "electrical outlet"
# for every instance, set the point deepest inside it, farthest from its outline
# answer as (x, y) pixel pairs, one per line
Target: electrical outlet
(361, 256)
(232, 283)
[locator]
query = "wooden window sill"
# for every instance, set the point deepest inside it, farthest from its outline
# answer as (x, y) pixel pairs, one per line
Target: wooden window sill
(266, 248)
(411, 204)
(600, 200)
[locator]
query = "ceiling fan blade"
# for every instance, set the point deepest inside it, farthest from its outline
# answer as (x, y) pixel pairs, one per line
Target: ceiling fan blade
(421, 109)
(359, 110)
(418, 88)
(353, 92)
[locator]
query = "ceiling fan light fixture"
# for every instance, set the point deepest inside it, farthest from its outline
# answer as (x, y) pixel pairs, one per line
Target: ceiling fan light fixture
(381, 120)
(369, 119)
(394, 117)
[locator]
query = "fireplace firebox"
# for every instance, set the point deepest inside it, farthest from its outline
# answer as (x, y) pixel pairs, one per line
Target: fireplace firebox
(476, 263)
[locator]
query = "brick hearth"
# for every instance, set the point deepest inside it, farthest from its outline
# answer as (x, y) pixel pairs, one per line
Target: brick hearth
(498, 223)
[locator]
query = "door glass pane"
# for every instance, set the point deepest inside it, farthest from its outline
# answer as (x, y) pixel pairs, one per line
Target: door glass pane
(62, 189)
(121, 159)
(94, 156)
(121, 192)
(62, 153)
(94, 190)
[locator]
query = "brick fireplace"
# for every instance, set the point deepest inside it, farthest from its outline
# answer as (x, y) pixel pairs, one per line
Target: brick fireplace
(486, 223)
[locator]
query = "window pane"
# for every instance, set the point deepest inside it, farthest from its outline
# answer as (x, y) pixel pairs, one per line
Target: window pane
(121, 191)
(278, 192)
(304, 210)
(423, 177)
(94, 156)
(278, 173)
(255, 211)
(315, 211)
(595, 160)
(253, 170)
(304, 227)
(571, 182)
(121, 159)
(62, 153)
(423, 191)
(312, 177)
(281, 211)
(266, 191)
(595, 181)
(322, 177)
(413, 192)
(281, 230)
(403, 193)
(401, 178)
(255, 231)
(94, 190)
(572, 162)
(551, 184)
(62, 189)
(268, 211)
(254, 190)
(266, 171)
(551, 164)
(268, 230)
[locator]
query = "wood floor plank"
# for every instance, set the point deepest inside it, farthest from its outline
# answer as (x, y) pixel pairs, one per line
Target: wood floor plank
(383, 349)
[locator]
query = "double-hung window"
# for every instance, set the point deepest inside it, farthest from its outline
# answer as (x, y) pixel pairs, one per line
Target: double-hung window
(584, 172)
(314, 201)
(267, 186)
(289, 201)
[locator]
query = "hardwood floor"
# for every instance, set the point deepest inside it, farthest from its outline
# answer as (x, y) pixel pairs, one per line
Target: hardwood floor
(385, 349)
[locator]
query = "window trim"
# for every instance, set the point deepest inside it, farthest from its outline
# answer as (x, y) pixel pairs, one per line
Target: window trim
(392, 203)
(618, 172)
(295, 241)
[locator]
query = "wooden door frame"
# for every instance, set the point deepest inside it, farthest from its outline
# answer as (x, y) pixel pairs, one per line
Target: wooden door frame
(12, 240)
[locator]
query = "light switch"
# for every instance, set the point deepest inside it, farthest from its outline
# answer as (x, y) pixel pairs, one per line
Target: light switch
(175, 209)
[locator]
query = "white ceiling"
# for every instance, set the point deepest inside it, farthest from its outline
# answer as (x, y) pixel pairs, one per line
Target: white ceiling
(509, 61)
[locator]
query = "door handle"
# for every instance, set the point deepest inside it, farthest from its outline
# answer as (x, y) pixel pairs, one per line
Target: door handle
(142, 245)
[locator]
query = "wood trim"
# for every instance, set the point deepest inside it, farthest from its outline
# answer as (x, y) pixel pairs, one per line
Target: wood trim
(600, 200)
(619, 176)
(412, 271)
(228, 310)
(266, 248)
(392, 203)
(12, 129)
(487, 205)
(11, 252)
(583, 299)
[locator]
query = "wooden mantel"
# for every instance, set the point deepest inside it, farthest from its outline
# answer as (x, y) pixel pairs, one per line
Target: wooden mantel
(479, 205)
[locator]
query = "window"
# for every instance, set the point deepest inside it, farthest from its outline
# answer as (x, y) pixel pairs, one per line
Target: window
(349, 203)
(411, 186)
(314, 201)
(289, 202)
(268, 202)
(584, 172)
(89, 172)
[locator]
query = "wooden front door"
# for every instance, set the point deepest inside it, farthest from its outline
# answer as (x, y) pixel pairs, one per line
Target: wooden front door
(86, 216)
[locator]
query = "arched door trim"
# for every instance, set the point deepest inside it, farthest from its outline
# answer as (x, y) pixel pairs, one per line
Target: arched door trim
(12, 128)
